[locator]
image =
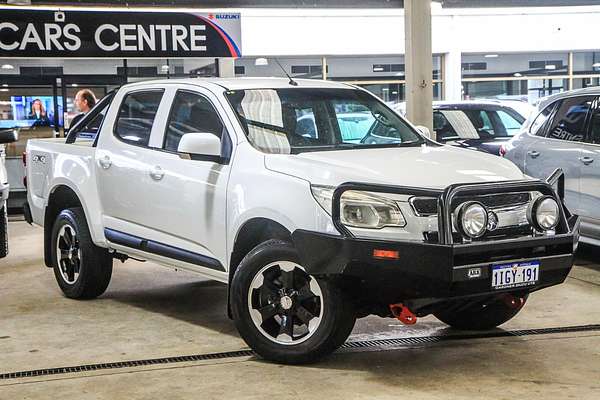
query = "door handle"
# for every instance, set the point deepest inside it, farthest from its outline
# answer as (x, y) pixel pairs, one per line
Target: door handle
(586, 160)
(157, 173)
(533, 153)
(105, 162)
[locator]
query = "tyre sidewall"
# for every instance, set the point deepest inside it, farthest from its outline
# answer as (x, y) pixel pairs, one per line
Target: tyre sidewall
(335, 313)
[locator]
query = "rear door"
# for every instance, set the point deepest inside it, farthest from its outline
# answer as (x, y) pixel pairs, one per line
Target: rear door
(187, 194)
(559, 145)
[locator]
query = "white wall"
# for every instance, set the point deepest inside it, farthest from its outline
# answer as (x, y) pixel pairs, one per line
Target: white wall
(367, 32)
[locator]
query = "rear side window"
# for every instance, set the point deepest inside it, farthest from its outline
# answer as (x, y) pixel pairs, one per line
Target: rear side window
(595, 125)
(191, 113)
(136, 116)
(509, 122)
(570, 119)
(539, 125)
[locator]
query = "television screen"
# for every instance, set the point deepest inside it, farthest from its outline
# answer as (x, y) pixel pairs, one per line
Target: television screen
(32, 111)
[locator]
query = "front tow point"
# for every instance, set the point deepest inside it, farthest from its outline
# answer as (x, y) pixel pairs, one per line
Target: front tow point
(403, 314)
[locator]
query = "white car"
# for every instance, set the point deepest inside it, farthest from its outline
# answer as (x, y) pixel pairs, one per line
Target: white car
(6, 136)
(311, 231)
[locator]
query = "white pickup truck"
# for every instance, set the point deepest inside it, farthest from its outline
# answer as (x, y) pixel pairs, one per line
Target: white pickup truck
(311, 228)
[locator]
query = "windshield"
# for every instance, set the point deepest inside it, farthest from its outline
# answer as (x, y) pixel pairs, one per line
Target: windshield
(293, 120)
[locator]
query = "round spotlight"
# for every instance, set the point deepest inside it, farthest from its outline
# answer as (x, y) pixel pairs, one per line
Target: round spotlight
(472, 219)
(544, 213)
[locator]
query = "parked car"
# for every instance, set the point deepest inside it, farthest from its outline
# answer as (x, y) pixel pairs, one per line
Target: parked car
(6, 136)
(565, 133)
(309, 231)
(482, 125)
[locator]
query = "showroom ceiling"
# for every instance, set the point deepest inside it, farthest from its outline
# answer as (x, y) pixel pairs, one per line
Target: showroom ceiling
(313, 3)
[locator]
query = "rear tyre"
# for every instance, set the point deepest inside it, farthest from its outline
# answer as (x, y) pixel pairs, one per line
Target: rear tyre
(283, 313)
(482, 315)
(81, 268)
(3, 232)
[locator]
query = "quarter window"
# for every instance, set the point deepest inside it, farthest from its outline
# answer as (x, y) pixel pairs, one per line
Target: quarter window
(190, 113)
(538, 127)
(569, 122)
(136, 117)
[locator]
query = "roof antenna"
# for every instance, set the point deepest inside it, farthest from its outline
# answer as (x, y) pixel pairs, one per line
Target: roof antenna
(291, 82)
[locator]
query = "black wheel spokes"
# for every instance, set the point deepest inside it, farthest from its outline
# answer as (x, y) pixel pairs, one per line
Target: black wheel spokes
(69, 260)
(287, 325)
(285, 303)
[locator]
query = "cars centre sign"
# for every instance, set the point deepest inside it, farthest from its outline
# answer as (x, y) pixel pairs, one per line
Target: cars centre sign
(41, 33)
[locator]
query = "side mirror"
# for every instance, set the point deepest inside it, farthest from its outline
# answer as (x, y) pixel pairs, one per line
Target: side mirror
(424, 131)
(8, 136)
(200, 143)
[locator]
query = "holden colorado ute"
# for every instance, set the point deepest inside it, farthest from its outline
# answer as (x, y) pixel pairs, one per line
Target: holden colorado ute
(311, 229)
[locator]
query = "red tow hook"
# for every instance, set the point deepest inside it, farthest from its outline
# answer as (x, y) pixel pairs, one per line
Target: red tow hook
(513, 302)
(403, 314)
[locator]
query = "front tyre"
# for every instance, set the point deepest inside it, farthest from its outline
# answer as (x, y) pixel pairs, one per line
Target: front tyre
(81, 268)
(482, 315)
(284, 314)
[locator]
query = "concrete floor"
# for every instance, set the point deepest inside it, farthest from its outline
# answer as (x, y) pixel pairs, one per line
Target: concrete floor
(151, 312)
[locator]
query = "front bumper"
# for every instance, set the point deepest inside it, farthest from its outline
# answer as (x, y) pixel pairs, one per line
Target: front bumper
(438, 270)
(434, 271)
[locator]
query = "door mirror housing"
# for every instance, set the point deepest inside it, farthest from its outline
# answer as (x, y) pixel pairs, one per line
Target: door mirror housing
(200, 143)
(424, 131)
(8, 136)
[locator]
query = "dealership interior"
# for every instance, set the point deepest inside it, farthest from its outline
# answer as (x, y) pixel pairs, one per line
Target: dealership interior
(489, 91)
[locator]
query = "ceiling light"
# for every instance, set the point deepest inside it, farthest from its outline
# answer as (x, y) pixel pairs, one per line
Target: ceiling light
(261, 62)
(491, 56)
(377, 69)
(7, 66)
(550, 67)
(74, 85)
(517, 74)
(5, 85)
(164, 67)
(596, 65)
(3, 90)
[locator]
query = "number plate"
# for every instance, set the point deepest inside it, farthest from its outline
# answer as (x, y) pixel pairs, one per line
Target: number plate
(514, 275)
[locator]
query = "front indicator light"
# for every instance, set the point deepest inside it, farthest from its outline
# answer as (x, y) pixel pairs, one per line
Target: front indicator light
(386, 254)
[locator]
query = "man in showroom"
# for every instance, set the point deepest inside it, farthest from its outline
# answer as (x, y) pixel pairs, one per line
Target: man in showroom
(84, 101)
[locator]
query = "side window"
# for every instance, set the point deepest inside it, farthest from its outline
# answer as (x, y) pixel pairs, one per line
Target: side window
(540, 124)
(136, 116)
(305, 122)
(569, 122)
(595, 126)
(190, 113)
(510, 123)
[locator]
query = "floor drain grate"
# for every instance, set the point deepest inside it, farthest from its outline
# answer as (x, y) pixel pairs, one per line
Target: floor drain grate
(406, 341)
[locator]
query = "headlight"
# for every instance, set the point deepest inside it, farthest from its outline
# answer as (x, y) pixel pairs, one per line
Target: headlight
(361, 209)
(472, 219)
(544, 213)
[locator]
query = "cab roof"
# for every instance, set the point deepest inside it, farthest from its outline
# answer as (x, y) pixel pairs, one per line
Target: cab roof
(249, 83)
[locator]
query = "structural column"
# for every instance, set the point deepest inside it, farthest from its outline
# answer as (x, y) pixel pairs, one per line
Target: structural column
(419, 63)
(452, 76)
(225, 67)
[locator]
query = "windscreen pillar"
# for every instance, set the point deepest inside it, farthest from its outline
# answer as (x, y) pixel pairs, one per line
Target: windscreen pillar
(419, 62)
(225, 67)
(453, 90)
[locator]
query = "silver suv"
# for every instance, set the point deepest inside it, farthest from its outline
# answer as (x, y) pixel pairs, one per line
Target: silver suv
(564, 133)
(6, 136)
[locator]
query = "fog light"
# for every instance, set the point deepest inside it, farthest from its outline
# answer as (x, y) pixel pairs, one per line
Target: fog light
(544, 213)
(472, 219)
